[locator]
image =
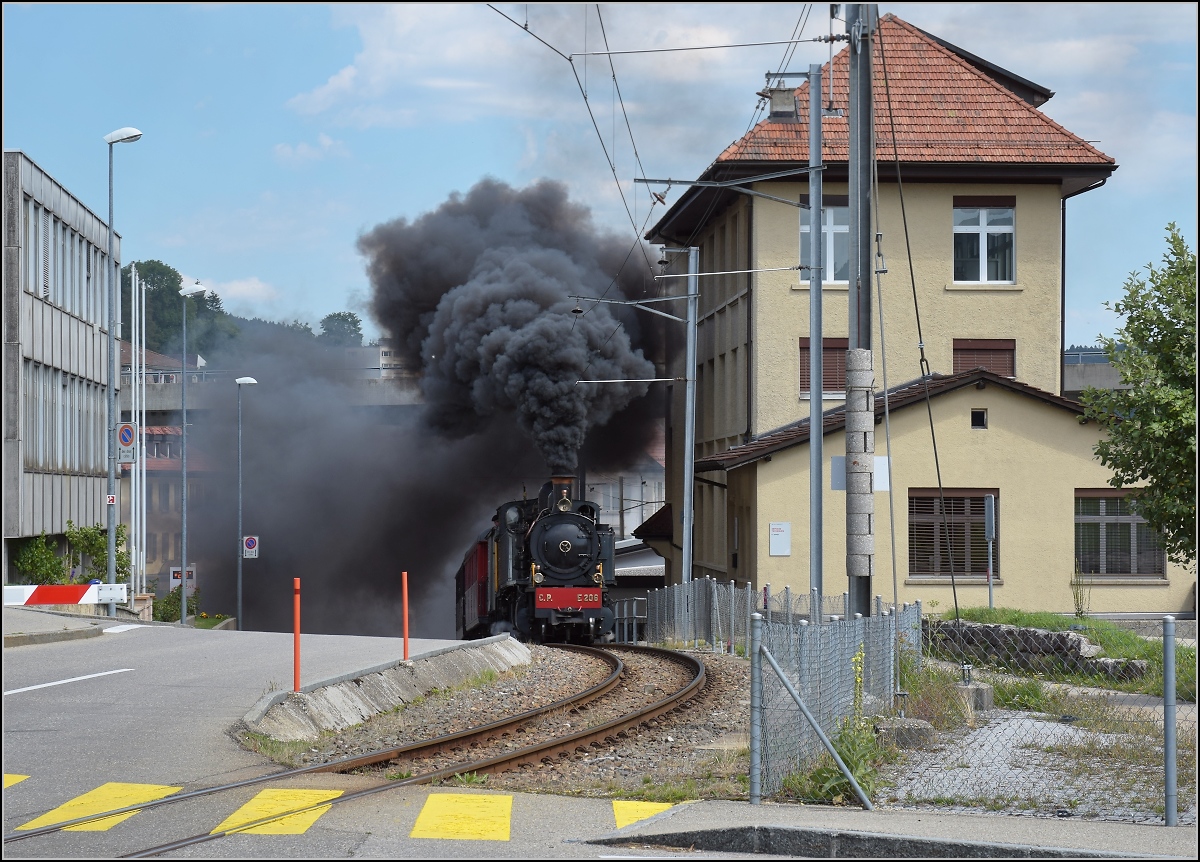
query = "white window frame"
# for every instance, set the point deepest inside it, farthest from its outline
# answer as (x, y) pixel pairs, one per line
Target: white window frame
(983, 230)
(829, 234)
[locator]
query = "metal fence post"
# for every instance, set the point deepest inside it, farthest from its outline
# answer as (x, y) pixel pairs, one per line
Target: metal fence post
(787, 604)
(732, 617)
(755, 710)
(750, 594)
(1172, 791)
(816, 613)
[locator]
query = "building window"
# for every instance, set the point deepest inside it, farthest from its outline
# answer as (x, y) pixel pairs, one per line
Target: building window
(979, 419)
(833, 367)
(151, 547)
(984, 239)
(835, 231)
(946, 533)
(1111, 540)
(998, 355)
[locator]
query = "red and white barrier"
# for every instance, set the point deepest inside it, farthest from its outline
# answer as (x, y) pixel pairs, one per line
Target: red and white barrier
(65, 594)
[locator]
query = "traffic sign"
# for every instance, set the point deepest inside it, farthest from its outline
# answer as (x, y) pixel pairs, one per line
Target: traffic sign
(191, 576)
(126, 443)
(111, 500)
(249, 547)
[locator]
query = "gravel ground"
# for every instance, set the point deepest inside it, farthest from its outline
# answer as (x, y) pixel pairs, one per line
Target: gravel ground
(697, 752)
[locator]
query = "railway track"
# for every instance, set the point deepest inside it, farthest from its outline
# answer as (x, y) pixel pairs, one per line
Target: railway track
(607, 709)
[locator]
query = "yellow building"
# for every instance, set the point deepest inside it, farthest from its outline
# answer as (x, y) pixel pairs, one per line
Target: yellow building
(971, 205)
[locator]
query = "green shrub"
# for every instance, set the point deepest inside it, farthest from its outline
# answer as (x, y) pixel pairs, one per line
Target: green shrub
(37, 563)
(166, 609)
(860, 751)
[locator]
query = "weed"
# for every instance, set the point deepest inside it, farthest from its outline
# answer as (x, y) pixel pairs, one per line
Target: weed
(398, 776)
(287, 752)
(470, 778)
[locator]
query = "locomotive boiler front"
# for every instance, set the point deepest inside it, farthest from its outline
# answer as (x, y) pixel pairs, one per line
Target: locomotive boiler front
(571, 565)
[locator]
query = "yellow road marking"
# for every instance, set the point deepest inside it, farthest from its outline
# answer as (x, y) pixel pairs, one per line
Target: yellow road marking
(106, 797)
(268, 803)
(632, 812)
(10, 780)
(464, 815)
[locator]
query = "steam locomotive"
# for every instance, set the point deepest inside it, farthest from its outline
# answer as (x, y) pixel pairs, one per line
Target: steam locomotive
(543, 572)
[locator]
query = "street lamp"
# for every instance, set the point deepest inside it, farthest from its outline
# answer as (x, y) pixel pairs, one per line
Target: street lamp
(126, 135)
(195, 290)
(241, 381)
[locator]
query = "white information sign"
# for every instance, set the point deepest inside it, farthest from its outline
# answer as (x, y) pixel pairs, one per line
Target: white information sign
(249, 547)
(837, 473)
(781, 539)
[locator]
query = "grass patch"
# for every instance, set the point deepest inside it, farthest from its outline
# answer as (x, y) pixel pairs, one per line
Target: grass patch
(470, 779)
(288, 752)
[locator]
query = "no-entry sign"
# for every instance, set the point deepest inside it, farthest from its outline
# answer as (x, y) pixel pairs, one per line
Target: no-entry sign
(126, 443)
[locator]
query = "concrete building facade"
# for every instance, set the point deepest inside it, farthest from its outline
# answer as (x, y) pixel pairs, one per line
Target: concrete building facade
(968, 218)
(55, 358)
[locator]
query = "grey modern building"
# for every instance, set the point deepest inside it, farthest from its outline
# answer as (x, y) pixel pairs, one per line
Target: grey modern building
(55, 358)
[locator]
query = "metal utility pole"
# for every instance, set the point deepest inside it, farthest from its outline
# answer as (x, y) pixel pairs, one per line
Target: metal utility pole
(816, 353)
(861, 21)
(689, 434)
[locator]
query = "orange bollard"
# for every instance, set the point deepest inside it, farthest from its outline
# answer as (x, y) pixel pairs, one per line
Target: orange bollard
(296, 649)
(404, 603)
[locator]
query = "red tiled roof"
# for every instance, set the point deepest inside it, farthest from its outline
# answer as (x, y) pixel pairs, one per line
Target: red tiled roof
(899, 397)
(155, 361)
(943, 108)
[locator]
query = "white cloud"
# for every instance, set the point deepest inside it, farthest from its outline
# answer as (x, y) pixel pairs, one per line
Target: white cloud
(305, 153)
(245, 297)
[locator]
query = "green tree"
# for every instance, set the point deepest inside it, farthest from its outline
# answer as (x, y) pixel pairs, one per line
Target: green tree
(210, 328)
(1151, 426)
(37, 563)
(90, 545)
(341, 329)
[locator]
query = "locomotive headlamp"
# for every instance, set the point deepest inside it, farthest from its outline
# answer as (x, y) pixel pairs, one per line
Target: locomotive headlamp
(537, 573)
(598, 575)
(564, 505)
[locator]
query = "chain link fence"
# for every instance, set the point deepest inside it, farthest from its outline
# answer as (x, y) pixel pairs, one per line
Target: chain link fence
(1051, 716)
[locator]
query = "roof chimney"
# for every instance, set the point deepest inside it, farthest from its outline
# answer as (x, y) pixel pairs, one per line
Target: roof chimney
(783, 103)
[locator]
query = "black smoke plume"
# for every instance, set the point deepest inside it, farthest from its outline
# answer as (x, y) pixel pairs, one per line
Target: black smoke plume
(347, 496)
(478, 296)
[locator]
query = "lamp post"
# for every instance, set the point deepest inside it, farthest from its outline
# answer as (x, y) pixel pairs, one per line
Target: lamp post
(241, 381)
(126, 135)
(195, 290)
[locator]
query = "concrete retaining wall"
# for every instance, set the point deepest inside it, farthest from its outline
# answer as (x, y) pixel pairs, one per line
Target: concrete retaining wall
(340, 703)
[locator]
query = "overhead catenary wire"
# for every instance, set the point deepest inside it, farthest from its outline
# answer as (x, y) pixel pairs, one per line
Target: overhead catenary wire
(692, 47)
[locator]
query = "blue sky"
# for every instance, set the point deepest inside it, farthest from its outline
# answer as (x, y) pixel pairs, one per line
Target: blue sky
(275, 134)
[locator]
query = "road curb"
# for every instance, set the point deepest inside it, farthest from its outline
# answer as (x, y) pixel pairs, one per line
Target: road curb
(16, 640)
(847, 844)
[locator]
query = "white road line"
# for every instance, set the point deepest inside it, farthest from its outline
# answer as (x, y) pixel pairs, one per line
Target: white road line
(65, 681)
(116, 630)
